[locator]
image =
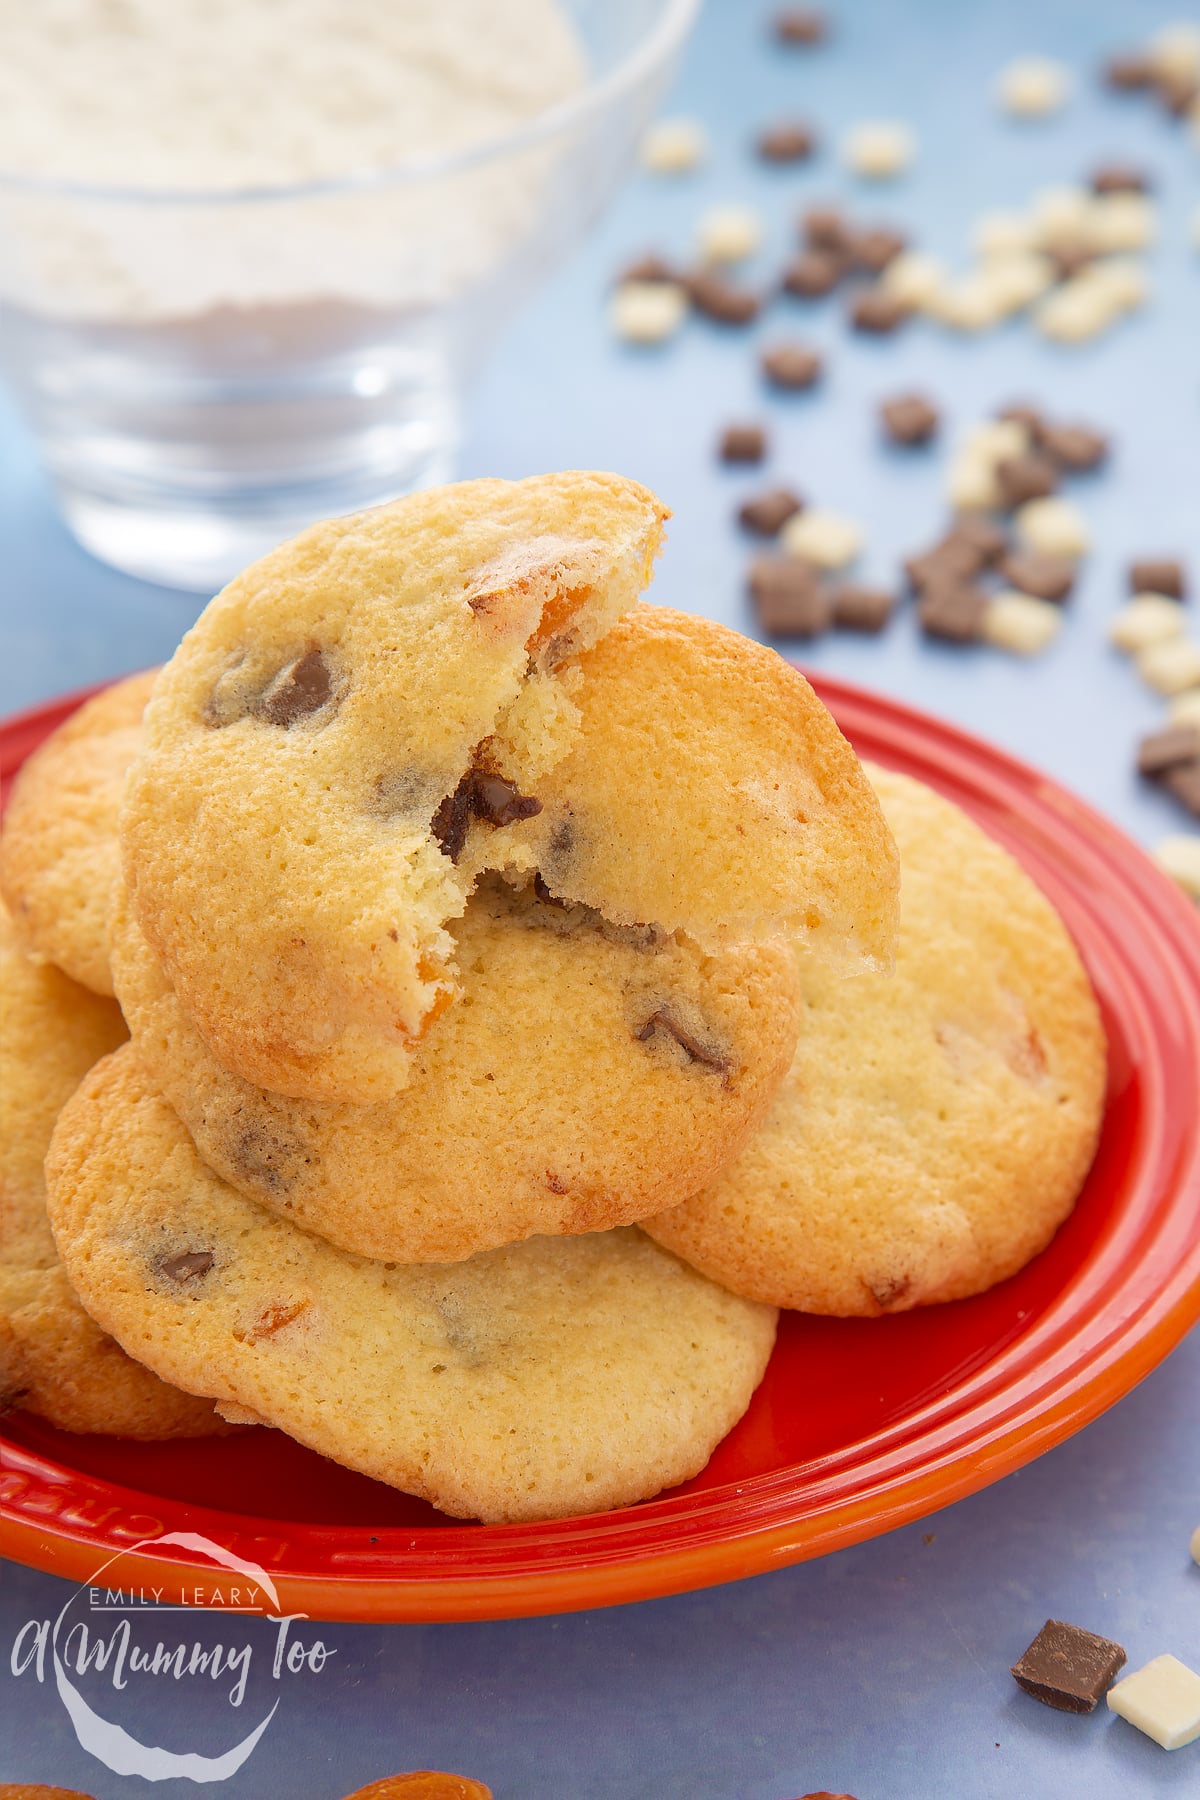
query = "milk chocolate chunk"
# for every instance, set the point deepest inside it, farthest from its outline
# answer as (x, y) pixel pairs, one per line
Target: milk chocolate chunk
(791, 366)
(1075, 447)
(1022, 412)
(826, 228)
(302, 688)
(945, 563)
(1120, 178)
(1068, 1668)
(813, 274)
(1157, 575)
(788, 597)
(801, 25)
(1176, 90)
(909, 419)
(768, 513)
(1068, 256)
(497, 801)
(663, 1019)
(650, 268)
(873, 249)
(984, 536)
(450, 822)
(1128, 72)
(719, 300)
(1183, 781)
(1168, 749)
(878, 310)
(1022, 478)
(953, 611)
(187, 1265)
(860, 608)
(742, 444)
(787, 142)
(1046, 577)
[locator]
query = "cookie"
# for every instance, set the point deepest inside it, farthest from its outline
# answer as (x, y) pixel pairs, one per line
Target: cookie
(58, 846)
(54, 1360)
(936, 1126)
(346, 721)
(588, 1075)
(557, 1376)
(419, 1784)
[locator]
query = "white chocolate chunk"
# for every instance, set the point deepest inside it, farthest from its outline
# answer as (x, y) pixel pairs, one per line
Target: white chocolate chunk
(878, 149)
(1018, 280)
(1175, 50)
(1021, 623)
(1053, 526)
(968, 304)
(673, 146)
(997, 440)
(824, 538)
(1171, 667)
(1146, 619)
(1076, 311)
(1061, 215)
(648, 312)
(1001, 234)
(1122, 280)
(914, 277)
(971, 484)
(1185, 710)
(1179, 857)
(1033, 86)
(728, 234)
(1121, 222)
(1162, 1699)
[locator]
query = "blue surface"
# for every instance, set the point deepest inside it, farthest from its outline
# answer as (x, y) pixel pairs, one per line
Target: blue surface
(881, 1671)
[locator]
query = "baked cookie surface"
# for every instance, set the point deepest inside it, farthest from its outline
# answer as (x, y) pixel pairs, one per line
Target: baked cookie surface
(558, 1376)
(936, 1125)
(345, 725)
(54, 1360)
(588, 1075)
(59, 855)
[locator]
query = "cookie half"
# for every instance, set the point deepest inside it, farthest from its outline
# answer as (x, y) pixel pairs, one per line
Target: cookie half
(558, 1376)
(54, 1360)
(59, 855)
(936, 1125)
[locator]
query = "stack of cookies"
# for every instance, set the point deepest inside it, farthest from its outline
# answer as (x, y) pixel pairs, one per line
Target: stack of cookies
(519, 1012)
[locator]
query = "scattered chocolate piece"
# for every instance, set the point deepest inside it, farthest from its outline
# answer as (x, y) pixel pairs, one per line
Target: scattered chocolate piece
(484, 795)
(188, 1265)
(909, 419)
(1119, 178)
(788, 597)
(954, 611)
(718, 299)
(1184, 782)
(663, 1019)
(1157, 575)
(984, 536)
(1028, 477)
(302, 688)
(651, 268)
(813, 274)
(826, 228)
(767, 513)
(743, 444)
(1175, 90)
(951, 561)
(1046, 577)
(1023, 413)
(787, 142)
(1128, 72)
(872, 250)
(1067, 1667)
(1076, 447)
(791, 366)
(858, 608)
(803, 25)
(878, 310)
(1168, 749)
(1068, 257)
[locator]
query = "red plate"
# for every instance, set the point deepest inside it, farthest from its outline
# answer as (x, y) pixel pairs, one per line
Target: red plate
(859, 1425)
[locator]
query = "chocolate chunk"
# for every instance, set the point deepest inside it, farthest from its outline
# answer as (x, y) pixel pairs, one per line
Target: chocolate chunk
(1183, 781)
(1067, 1667)
(988, 540)
(696, 1051)
(481, 794)
(302, 688)
(952, 610)
(1022, 478)
(802, 25)
(791, 366)
(1120, 178)
(788, 597)
(787, 142)
(1046, 577)
(1157, 575)
(742, 444)
(1176, 91)
(872, 250)
(813, 274)
(878, 310)
(650, 268)
(1129, 72)
(767, 513)
(947, 562)
(1068, 256)
(1022, 413)
(1168, 749)
(186, 1265)
(909, 419)
(719, 300)
(265, 1155)
(451, 820)
(858, 608)
(1076, 447)
(825, 228)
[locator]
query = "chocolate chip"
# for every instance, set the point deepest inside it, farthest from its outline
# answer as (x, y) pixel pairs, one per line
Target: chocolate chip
(742, 444)
(1120, 178)
(813, 274)
(650, 268)
(788, 597)
(186, 1265)
(1183, 781)
(301, 689)
(696, 1051)
(719, 300)
(825, 228)
(1076, 447)
(947, 562)
(878, 310)
(1176, 91)
(1168, 749)
(264, 1155)
(450, 822)
(1158, 575)
(1046, 577)
(481, 794)
(988, 540)
(872, 250)
(803, 25)
(1067, 1667)
(1128, 72)
(767, 513)
(787, 142)
(953, 611)
(858, 608)
(909, 419)
(1022, 413)
(791, 366)
(1028, 477)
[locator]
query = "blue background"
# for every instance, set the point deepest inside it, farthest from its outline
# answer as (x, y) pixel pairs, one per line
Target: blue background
(881, 1671)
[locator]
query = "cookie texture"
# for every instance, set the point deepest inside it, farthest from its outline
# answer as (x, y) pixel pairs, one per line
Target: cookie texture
(343, 728)
(936, 1125)
(53, 1359)
(588, 1075)
(420, 1784)
(558, 1376)
(58, 846)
